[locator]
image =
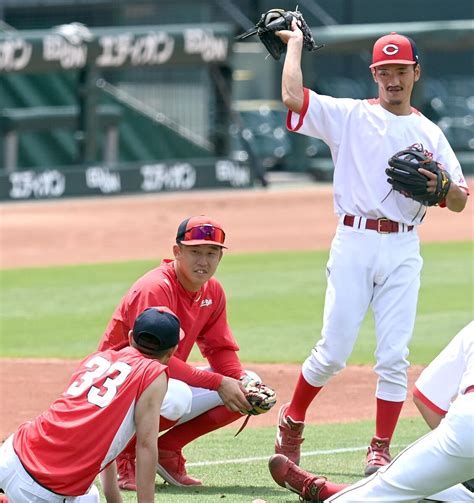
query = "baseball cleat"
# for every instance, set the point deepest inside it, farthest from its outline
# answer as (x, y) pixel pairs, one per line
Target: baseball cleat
(289, 436)
(289, 475)
(126, 472)
(171, 468)
(378, 455)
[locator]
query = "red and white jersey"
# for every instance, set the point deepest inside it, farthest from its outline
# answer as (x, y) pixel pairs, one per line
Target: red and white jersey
(202, 315)
(362, 136)
(89, 424)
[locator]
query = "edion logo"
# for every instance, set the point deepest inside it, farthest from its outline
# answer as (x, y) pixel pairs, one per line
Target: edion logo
(390, 49)
(26, 184)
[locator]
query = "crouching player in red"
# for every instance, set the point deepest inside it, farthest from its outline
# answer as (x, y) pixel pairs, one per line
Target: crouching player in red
(199, 400)
(111, 396)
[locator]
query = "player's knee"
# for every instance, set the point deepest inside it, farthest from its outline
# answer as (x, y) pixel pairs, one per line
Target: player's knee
(330, 364)
(93, 495)
(318, 371)
(253, 375)
(178, 400)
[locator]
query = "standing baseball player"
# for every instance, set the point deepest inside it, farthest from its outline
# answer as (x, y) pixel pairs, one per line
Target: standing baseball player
(204, 399)
(434, 466)
(375, 254)
(111, 396)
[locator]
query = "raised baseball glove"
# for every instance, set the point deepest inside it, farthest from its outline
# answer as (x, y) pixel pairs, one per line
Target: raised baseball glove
(260, 396)
(405, 178)
(276, 20)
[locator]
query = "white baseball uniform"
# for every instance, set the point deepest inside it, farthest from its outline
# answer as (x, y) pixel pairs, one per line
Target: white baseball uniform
(443, 458)
(367, 267)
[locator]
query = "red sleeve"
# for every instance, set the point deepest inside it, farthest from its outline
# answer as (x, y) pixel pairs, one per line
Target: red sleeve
(428, 403)
(301, 115)
(227, 363)
(193, 376)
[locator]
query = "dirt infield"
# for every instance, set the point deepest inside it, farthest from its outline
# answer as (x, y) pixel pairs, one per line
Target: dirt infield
(347, 397)
(142, 227)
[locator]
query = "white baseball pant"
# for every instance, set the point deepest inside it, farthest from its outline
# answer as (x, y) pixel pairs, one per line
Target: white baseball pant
(20, 487)
(368, 268)
(436, 462)
(202, 399)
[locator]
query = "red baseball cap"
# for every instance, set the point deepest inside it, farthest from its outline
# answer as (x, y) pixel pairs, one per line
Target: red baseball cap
(394, 48)
(200, 230)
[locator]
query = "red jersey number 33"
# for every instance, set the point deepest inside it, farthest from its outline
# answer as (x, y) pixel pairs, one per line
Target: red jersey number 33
(103, 395)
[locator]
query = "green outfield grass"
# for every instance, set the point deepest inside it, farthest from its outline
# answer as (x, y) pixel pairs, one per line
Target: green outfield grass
(235, 470)
(275, 304)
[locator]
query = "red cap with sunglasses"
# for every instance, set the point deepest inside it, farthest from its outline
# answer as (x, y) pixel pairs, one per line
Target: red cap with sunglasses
(200, 230)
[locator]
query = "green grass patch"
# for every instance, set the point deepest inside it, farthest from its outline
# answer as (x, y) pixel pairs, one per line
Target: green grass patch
(275, 305)
(228, 479)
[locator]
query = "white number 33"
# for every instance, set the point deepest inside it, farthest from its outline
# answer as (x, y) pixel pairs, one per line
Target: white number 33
(100, 366)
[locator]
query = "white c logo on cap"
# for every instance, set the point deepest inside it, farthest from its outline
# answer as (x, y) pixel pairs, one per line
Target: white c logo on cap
(390, 49)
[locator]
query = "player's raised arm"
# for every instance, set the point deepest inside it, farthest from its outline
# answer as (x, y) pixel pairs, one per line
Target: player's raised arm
(292, 77)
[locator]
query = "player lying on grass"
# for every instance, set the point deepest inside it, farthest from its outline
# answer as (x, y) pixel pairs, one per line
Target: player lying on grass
(111, 396)
(437, 466)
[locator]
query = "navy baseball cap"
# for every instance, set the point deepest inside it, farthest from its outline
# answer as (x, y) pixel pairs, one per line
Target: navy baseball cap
(156, 329)
(394, 48)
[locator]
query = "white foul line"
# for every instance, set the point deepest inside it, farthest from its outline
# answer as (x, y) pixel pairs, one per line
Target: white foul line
(265, 458)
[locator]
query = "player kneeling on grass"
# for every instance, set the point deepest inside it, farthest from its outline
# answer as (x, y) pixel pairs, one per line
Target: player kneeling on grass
(111, 396)
(435, 466)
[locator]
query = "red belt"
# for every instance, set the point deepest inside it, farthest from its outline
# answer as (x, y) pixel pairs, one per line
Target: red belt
(382, 225)
(469, 389)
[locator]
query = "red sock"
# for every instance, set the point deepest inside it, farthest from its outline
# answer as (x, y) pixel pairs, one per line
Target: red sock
(303, 395)
(387, 417)
(180, 435)
(331, 488)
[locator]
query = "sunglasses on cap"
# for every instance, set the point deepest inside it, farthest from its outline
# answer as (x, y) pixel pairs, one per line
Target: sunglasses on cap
(205, 232)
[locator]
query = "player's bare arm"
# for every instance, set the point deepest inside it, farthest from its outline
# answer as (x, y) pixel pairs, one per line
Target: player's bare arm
(108, 478)
(292, 76)
(431, 417)
(147, 419)
(232, 395)
(455, 200)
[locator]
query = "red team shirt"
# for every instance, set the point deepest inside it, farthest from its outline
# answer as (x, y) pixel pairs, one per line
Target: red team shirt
(203, 318)
(85, 429)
